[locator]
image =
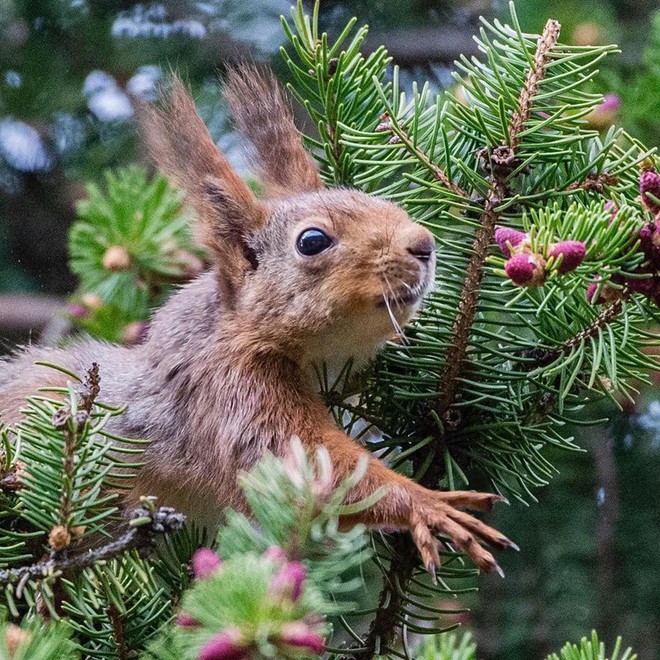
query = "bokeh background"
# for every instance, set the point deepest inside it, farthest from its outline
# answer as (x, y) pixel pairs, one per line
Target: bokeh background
(69, 71)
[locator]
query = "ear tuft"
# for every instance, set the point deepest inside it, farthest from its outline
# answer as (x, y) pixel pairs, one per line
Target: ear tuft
(263, 114)
(227, 210)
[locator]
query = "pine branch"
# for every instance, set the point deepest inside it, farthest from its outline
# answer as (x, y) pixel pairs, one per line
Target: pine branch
(400, 135)
(604, 319)
(386, 623)
(503, 162)
(146, 524)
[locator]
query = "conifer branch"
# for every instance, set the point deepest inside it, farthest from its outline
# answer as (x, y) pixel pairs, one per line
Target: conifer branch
(535, 75)
(145, 525)
(503, 161)
(400, 135)
(607, 315)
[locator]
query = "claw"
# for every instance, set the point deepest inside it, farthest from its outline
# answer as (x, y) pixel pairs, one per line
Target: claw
(510, 543)
(431, 568)
(498, 569)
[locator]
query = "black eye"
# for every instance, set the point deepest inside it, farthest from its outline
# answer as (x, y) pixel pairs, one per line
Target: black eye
(313, 241)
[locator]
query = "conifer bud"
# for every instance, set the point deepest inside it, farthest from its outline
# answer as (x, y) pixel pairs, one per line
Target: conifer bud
(571, 253)
(186, 621)
(649, 183)
(604, 115)
(91, 301)
(275, 554)
(116, 259)
(606, 294)
(644, 285)
(505, 237)
(612, 208)
(288, 582)
(14, 637)
(135, 333)
(224, 646)
(77, 311)
(526, 269)
(205, 563)
(649, 243)
(299, 634)
(59, 537)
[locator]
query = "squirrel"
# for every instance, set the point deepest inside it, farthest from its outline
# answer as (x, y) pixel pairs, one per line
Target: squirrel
(305, 276)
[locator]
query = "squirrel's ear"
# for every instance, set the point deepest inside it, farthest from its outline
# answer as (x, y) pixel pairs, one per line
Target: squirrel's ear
(227, 210)
(263, 114)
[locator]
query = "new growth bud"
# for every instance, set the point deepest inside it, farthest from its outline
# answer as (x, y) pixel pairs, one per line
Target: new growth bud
(205, 563)
(59, 537)
(275, 554)
(571, 253)
(649, 183)
(288, 582)
(526, 269)
(186, 621)
(299, 634)
(116, 259)
(507, 238)
(224, 646)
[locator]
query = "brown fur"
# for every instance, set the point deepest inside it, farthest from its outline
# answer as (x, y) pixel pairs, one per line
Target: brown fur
(264, 115)
(227, 371)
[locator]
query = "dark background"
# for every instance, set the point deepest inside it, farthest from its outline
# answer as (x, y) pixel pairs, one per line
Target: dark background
(67, 71)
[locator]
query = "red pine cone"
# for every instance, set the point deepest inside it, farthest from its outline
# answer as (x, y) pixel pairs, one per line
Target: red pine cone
(224, 646)
(649, 182)
(505, 236)
(571, 253)
(301, 635)
(526, 269)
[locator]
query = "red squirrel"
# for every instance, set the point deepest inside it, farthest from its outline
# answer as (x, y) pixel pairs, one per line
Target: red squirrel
(307, 275)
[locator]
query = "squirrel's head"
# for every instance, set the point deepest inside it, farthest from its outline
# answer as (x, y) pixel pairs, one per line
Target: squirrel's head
(333, 272)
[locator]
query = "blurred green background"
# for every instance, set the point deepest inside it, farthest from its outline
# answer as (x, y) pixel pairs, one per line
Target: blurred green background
(69, 70)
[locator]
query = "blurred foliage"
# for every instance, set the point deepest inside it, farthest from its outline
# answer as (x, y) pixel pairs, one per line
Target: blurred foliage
(131, 243)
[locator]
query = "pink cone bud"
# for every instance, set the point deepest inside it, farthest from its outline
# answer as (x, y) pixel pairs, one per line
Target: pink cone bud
(649, 243)
(116, 258)
(288, 581)
(301, 635)
(571, 253)
(591, 294)
(205, 563)
(649, 182)
(224, 646)
(604, 115)
(526, 269)
(275, 554)
(610, 102)
(607, 293)
(77, 311)
(186, 621)
(644, 285)
(612, 208)
(135, 332)
(505, 236)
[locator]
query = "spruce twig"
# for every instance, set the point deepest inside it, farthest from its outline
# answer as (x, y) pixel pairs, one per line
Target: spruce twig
(384, 627)
(146, 523)
(504, 159)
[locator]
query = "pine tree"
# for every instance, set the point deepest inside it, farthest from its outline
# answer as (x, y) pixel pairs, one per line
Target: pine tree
(547, 283)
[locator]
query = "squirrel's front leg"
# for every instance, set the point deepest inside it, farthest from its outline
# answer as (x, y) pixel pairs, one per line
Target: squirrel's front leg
(407, 505)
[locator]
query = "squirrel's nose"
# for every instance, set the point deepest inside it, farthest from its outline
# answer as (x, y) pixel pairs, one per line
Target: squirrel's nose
(423, 248)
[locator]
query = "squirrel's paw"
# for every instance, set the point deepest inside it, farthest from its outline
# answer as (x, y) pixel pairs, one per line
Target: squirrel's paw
(437, 513)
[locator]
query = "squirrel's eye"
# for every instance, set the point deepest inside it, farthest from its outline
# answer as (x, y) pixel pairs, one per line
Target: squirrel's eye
(313, 241)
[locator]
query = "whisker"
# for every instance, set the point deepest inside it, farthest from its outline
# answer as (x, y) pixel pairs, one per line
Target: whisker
(395, 324)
